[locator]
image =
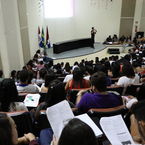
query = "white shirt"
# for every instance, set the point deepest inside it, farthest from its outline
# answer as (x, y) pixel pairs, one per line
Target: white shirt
(67, 78)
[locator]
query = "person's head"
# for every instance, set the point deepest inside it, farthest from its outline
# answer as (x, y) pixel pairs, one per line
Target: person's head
(76, 132)
(30, 77)
(49, 78)
(99, 82)
(1, 73)
(89, 70)
(62, 64)
(13, 74)
(101, 68)
(43, 73)
(38, 51)
(41, 62)
(24, 75)
(127, 70)
(8, 93)
(58, 71)
(76, 63)
(8, 131)
(109, 36)
(115, 69)
(92, 28)
(138, 110)
(56, 93)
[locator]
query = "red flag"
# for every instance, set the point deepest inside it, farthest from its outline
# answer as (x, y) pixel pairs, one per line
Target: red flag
(47, 38)
(39, 35)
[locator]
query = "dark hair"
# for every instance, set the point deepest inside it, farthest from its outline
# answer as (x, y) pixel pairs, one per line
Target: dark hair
(101, 68)
(127, 70)
(56, 93)
(24, 75)
(1, 73)
(76, 132)
(49, 78)
(41, 62)
(8, 93)
(77, 78)
(43, 72)
(13, 72)
(141, 93)
(5, 130)
(30, 77)
(76, 63)
(89, 69)
(59, 71)
(38, 51)
(138, 110)
(99, 80)
(115, 69)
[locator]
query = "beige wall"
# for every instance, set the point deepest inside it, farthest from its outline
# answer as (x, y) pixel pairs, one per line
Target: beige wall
(106, 21)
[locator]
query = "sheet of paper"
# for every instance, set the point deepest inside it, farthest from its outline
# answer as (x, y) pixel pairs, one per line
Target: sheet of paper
(116, 130)
(85, 118)
(32, 100)
(58, 116)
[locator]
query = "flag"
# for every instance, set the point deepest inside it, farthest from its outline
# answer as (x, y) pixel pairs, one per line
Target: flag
(47, 38)
(42, 43)
(39, 35)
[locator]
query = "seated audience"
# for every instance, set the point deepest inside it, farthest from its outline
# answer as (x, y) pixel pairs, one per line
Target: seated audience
(99, 98)
(115, 39)
(115, 68)
(42, 74)
(13, 75)
(23, 86)
(1, 74)
(77, 82)
(89, 72)
(48, 79)
(128, 76)
(9, 134)
(76, 132)
(122, 39)
(40, 66)
(109, 40)
(55, 94)
(9, 97)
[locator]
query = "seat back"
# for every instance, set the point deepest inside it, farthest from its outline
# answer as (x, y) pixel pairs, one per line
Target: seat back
(61, 78)
(43, 96)
(105, 112)
(21, 97)
(131, 89)
(73, 94)
(114, 80)
(118, 88)
(22, 120)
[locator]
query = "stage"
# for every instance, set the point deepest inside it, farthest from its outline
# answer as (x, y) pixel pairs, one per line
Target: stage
(87, 53)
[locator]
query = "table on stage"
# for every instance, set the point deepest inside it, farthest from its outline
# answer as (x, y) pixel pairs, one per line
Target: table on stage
(71, 44)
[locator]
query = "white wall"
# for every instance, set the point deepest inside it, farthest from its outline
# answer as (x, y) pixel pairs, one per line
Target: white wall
(106, 21)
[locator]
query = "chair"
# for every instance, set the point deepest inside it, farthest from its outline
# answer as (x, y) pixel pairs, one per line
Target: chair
(73, 94)
(114, 80)
(43, 96)
(118, 88)
(22, 120)
(21, 97)
(131, 89)
(61, 78)
(105, 112)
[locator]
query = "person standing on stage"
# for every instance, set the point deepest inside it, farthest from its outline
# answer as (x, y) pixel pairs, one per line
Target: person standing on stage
(93, 32)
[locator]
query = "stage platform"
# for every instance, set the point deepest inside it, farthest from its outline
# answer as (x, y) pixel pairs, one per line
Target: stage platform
(101, 51)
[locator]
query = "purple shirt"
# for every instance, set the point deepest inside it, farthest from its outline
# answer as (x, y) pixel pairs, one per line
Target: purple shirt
(96, 100)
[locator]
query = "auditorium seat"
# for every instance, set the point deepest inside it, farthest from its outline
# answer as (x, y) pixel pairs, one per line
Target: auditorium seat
(22, 120)
(117, 88)
(131, 89)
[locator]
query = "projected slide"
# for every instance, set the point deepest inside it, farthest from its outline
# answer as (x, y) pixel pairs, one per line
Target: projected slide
(58, 8)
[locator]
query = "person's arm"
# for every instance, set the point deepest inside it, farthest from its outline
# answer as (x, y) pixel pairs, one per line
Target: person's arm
(79, 96)
(31, 138)
(67, 86)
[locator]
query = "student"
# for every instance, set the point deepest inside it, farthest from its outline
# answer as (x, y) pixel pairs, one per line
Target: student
(9, 134)
(9, 97)
(24, 86)
(99, 98)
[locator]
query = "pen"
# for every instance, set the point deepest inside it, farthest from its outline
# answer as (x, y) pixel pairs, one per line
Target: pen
(31, 99)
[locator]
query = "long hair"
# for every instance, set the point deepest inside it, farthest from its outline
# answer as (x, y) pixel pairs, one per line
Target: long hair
(5, 130)
(77, 78)
(56, 93)
(76, 132)
(8, 94)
